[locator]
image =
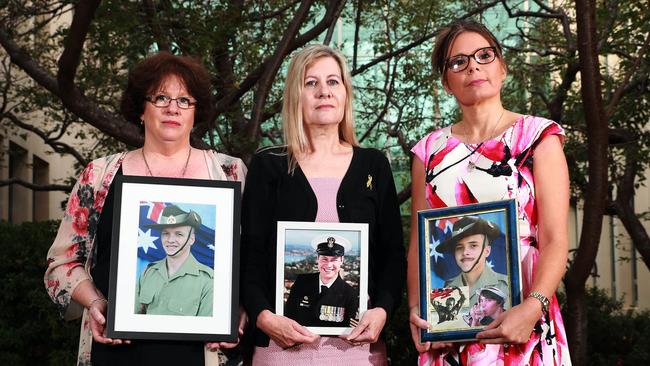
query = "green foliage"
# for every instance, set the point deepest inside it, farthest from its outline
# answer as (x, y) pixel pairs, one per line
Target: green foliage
(31, 331)
(399, 346)
(617, 336)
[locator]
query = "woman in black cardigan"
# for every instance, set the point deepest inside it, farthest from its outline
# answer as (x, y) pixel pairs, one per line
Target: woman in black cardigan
(289, 183)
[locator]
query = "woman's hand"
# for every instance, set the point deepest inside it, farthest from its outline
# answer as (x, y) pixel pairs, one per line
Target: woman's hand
(243, 320)
(513, 326)
(417, 323)
(97, 321)
(284, 331)
(369, 328)
(477, 314)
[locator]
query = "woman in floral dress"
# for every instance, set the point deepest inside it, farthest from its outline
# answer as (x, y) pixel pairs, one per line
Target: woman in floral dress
(167, 95)
(494, 154)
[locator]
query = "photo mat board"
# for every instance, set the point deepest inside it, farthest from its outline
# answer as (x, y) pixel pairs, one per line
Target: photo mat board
(194, 295)
(458, 245)
(299, 273)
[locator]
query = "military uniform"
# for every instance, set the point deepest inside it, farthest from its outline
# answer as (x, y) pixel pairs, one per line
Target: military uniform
(487, 278)
(332, 308)
(189, 291)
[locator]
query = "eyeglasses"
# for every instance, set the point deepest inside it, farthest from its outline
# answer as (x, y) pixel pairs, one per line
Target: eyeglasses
(162, 101)
(460, 62)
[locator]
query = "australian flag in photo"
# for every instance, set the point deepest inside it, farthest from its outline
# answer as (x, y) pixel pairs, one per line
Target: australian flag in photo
(150, 247)
(443, 265)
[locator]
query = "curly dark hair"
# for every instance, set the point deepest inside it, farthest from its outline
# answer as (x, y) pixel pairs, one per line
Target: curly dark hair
(147, 76)
(447, 36)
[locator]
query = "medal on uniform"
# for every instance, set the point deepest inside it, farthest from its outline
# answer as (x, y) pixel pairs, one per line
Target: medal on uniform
(331, 313)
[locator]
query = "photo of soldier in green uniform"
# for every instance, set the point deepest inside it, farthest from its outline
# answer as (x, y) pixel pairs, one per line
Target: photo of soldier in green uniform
(177, 284)
(471, 243)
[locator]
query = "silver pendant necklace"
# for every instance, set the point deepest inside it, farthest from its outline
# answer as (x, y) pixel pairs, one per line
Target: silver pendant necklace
(182, 175)
(471, 164)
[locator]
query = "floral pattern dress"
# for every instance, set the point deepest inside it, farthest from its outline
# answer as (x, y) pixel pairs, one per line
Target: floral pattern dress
(498, 169)
(71, 255)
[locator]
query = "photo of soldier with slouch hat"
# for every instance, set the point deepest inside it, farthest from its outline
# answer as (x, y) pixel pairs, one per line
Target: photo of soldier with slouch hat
(177, 284)
(471, 242)
(324, 299)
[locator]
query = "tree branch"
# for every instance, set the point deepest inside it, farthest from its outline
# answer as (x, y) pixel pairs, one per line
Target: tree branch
(357, 28)
(404, 194)
(57, 146)
(273, 14)
(623, 205)
(333, 9)
(556, 104)
(36, 187)
(73, 45)
(622, 87)
(389, 93)
(275, 61)
(285, 46)
(154, 23)
(418, 41)
(77, 103)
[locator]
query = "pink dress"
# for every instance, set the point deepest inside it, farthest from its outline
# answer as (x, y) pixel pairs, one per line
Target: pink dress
(327, 351)
(499, 169)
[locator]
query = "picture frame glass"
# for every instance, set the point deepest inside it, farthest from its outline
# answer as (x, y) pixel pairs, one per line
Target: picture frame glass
(174, 259)
(321, 274)
(469, 268)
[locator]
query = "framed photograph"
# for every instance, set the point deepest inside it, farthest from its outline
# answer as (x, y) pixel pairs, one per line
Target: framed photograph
(174, 259)
(469, 268)
(322, 274)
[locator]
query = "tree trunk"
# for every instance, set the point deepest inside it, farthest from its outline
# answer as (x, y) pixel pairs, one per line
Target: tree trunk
(577, 322)
(596, 190)
(624, 206)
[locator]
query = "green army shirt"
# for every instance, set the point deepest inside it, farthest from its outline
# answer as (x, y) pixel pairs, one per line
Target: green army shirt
(188, 292)
(488, 278)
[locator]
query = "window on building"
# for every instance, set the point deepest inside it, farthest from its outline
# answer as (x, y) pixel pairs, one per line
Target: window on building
(40, 199)
(19, 196)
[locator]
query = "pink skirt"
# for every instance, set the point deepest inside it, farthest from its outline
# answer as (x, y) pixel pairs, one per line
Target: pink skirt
(330, 351)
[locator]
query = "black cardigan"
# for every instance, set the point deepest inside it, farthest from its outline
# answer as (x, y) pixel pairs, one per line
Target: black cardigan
(366, 195)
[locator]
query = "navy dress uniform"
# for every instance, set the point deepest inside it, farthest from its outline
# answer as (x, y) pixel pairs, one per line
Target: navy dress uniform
(187, 292)
(319, 306)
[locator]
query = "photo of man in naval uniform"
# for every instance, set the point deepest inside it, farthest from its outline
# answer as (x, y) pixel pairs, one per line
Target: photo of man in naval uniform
(324, 299)
(177, 284)
(471, 243)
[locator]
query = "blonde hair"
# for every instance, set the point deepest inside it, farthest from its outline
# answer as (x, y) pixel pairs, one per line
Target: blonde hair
(295, 135)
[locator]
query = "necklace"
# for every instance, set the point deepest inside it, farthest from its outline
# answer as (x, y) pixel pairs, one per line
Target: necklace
(472, 163)
(182, 175)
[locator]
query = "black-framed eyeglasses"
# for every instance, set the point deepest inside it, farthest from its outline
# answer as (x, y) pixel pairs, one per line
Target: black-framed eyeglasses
(162, 101)
(482, 56)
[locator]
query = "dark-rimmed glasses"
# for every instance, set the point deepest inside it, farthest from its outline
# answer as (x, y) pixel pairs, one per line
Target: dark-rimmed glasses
(162, 101)
(460, 62)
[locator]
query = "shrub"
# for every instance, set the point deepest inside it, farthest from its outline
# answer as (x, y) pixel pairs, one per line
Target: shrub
(616, 336)
(31, 331)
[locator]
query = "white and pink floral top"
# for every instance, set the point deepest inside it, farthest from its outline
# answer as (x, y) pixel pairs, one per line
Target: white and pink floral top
(71, 255)
(498, 169)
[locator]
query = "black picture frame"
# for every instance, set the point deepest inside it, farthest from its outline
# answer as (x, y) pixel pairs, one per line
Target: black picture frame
(143, 308)
(442, 252)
